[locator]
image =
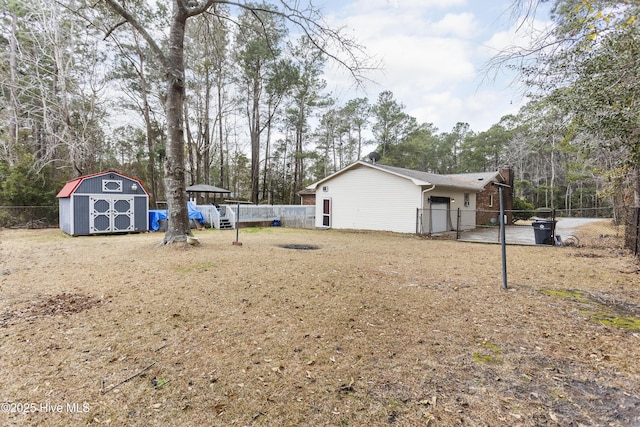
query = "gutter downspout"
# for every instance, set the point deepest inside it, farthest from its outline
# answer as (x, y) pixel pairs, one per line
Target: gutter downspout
(422, 204)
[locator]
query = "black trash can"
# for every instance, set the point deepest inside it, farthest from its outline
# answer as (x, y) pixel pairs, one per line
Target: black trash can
(544, 230)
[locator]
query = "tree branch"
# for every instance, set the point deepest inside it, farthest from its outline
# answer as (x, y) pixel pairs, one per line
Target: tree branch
(199, 8)
(320, 36)
(133, 21)
(112, 29)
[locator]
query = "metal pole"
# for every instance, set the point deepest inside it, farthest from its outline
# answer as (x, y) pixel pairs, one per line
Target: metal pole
(503, 240)
(553, 224)
(237, 243)
(237, 221)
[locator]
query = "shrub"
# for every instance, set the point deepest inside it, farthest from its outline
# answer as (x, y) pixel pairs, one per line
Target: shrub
(522, 209)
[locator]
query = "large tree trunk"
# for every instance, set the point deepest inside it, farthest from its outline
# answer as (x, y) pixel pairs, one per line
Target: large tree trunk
(178, 215)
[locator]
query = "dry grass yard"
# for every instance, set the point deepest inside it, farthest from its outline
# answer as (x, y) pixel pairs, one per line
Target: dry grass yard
(369, 329)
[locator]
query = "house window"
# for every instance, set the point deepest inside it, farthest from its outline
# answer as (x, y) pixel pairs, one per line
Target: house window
(490, 200)
(111, 186)
(466, 199)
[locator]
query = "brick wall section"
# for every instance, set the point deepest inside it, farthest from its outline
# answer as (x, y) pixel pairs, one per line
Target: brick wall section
(488, 200)
(307, 199)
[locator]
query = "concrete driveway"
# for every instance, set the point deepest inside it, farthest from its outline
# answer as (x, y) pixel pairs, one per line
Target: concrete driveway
(524, 234)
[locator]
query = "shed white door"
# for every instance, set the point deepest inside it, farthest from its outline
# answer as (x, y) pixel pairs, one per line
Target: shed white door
(111, 214)
(439, 212)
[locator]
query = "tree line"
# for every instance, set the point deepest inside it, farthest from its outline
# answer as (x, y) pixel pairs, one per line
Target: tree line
(81, 92)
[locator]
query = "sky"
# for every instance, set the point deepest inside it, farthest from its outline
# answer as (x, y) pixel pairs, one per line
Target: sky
(434, 55)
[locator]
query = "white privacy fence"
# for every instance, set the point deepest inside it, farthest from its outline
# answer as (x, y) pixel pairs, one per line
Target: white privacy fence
(212, 214)
(295, 216)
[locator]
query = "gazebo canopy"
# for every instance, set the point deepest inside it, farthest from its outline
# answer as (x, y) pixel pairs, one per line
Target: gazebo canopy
(205, 188)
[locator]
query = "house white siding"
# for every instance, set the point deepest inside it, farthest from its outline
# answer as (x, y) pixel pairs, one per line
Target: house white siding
(370, 199)
(467, 213)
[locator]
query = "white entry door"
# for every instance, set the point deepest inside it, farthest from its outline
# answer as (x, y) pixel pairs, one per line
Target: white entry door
(326, 212)
(111, 214)
(439, 212)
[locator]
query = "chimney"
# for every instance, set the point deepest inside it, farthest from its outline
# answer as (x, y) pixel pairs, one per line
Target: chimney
(508, 175)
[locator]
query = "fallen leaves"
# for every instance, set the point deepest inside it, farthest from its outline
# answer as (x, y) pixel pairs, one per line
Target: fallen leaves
(63, 304)
(368, 352)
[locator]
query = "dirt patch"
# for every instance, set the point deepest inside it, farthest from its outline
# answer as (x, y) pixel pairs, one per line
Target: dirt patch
(589, 255)
(299, 247)
(374, 329)
(63, 304)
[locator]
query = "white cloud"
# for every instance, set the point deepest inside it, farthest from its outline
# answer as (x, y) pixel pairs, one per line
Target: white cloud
(518, 35)
(480, 109)
(462, 25)
(401, 4)
(432, 53)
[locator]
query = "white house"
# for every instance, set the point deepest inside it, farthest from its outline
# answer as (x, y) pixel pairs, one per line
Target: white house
(371, 196)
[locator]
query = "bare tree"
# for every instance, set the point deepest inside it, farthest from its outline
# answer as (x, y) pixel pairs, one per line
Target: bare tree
(586, 63)
(54, 89)
(12, 107)
(338, 47)
(138, 87)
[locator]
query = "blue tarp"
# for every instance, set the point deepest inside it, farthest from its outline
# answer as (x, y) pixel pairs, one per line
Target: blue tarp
(154, 219)
(156, 215)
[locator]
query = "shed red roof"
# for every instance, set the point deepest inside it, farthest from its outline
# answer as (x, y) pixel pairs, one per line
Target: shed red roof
(71, 186)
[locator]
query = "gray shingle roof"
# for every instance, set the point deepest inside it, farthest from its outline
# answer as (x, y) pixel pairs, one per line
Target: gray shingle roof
(473, 181)
(478, 180)
(469, 181)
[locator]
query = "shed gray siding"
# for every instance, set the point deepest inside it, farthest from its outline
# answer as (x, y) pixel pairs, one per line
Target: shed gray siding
(141, 222)
(81, 217)
(93, 185)
(90, 186)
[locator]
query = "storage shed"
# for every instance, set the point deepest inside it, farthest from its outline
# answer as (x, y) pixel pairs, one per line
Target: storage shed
(103, 203)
